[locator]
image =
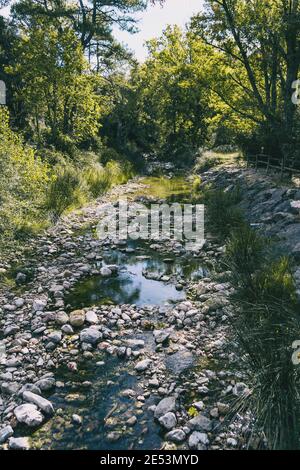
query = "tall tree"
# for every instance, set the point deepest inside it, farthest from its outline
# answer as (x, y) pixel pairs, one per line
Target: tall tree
(58, 91)
(261, 38)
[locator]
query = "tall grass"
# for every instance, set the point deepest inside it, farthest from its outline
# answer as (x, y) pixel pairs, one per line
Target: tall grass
(71, 186)
(266, 320)
(223, 213)
(65, 192)
(266, 324)
(100, 179)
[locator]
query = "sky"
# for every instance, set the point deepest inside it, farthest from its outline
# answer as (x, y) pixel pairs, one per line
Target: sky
(154, 21)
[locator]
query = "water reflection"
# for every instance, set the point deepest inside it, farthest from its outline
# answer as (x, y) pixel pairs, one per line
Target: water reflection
(145, 277)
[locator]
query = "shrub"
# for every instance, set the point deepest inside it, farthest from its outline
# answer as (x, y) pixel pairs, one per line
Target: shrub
(98, 180)
(23, 181)
(266, 325)
(245, 253)
(197, 182)
(223, 214)
(275, 282)
(65, 192)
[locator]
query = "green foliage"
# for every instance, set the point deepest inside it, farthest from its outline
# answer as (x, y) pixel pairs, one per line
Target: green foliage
(223, 213)
(164, 110)
(259, 60)
(23, 179)
(275, 281)
(266, 324)
(245, 254)
(100, 179)
(192, 412)
(65, 192)
(205, 162)
(58, 89)
(259, 276)
(197, 182)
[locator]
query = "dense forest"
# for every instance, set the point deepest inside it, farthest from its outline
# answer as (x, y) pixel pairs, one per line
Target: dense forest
(81, 112)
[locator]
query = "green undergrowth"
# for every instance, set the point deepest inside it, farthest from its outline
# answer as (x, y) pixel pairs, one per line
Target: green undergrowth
(265, 321)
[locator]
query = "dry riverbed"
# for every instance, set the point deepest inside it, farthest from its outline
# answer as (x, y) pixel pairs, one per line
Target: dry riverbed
(92, 363)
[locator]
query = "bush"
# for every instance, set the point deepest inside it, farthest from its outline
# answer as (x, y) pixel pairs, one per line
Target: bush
(66, 191)
(100, 179)
(223, 214)
(275, 282)
(266, 326)
(245, 253)
(23, 181)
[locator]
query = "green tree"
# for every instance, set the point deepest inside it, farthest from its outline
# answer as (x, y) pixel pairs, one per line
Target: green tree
(165, 109)
(260, 42)
(58, 89)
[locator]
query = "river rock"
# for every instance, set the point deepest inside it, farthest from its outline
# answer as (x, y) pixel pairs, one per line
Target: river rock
(42, 403)
(91, 317)
(67, 329)
(45, 384)
(240, 389)
(198, 438)
(61, 318)
(77, 318)
(165, 406)
(135, 343)
(39, 305)
(28, 414)
(21, 278)
(200, 423)
(19, 302)
(5, 433)
(143, 365)
(10, 330)
(105, 271)
(177, 435)
(168, 421)
(161, 336)
(19, 443)
(55, 337)
(90, 336)
(77, 419)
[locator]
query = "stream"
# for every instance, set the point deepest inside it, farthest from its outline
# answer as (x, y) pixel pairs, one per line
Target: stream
(107, 393)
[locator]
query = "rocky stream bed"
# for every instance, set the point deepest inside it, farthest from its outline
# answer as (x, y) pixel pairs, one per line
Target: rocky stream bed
(104, 347)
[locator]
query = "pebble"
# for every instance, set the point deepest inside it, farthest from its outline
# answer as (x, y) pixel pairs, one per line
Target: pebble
(143, 365)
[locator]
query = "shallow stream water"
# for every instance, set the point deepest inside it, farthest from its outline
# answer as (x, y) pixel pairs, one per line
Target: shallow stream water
(95, 391)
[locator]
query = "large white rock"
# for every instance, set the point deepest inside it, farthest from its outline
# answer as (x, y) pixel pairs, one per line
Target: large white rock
(200, 423)
(39, 305)
(198, 438)
(177, 435)
(77, 318)
(105, 272)
(28, 414)
(19, 443)
(91, 317)
(41, 402)
(161, 336)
